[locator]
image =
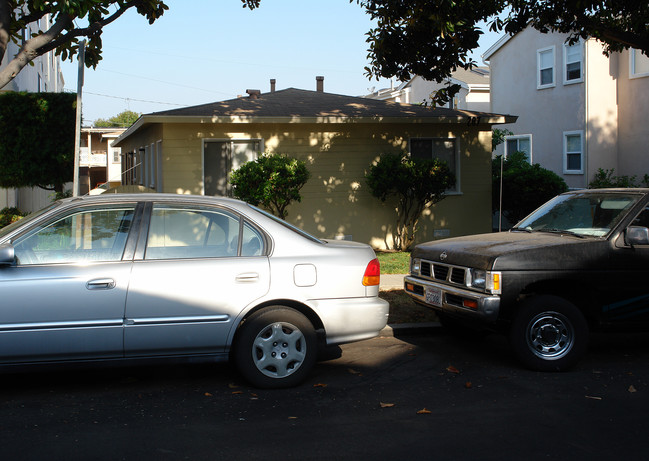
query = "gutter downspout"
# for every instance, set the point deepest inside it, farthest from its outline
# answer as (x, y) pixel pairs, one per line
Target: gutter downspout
(586, 116)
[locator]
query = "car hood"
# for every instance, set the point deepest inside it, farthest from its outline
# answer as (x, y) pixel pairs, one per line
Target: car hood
(516, 251)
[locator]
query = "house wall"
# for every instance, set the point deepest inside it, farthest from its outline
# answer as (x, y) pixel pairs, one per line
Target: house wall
(336, 201)
(633, 134)
(589, 106)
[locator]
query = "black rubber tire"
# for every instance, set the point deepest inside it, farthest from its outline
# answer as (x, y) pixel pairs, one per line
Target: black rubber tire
(275, 347)
(549, 333)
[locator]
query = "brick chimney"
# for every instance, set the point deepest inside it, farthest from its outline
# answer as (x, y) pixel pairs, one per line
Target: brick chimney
(319, 84)
(253, 94)
(272, 85)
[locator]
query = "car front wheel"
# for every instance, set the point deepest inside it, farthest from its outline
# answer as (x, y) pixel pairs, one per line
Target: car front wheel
(276, 347)
(549, 333)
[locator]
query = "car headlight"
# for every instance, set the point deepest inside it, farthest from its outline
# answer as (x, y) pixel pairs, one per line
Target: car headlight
(485, 280)
(415, 266)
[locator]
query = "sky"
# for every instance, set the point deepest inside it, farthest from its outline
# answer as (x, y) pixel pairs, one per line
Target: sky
(202, 51)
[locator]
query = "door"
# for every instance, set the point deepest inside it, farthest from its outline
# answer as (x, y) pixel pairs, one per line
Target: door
(194, 280)
(65, 297)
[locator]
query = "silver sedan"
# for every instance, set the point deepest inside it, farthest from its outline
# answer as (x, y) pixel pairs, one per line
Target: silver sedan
(133, 277)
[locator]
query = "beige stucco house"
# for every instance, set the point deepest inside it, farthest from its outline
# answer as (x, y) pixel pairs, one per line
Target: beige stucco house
(192, 151)
(578, 110)
(473, 94)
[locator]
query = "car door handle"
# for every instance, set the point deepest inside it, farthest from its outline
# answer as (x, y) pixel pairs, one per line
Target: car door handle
(100, 284)
(247, 277)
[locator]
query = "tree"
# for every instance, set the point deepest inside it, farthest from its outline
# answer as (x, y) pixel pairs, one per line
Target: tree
(272, 181)
(122, 120)
(432, 38)
(37, 133)
(525, 187)
(416, 183)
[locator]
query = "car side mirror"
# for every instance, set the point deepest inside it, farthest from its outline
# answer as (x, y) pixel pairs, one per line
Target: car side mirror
(636, 235)
(7, 254)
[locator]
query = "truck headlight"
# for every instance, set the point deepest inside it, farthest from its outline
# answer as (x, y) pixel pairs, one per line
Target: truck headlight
(485, 280)
(415, 266)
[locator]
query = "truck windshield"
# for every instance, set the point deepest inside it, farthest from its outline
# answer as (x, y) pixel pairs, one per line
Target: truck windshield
(583, 214)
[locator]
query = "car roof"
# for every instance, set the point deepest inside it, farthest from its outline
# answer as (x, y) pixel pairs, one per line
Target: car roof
(151, 197)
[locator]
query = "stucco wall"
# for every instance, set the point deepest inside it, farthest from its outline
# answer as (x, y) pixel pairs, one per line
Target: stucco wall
(336, 201)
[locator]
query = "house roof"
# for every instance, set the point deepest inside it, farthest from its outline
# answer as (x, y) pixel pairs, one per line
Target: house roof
(302, 106)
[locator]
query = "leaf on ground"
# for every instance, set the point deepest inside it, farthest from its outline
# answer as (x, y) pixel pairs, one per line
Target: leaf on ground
(232, 386)
(354, 372)
(452, 369)
(237, 392)
(468, 385)
(632, 388)
(292, 417)
(424, 411)
(593, 397)
(386, 405)
(207, 394)
(320, 385)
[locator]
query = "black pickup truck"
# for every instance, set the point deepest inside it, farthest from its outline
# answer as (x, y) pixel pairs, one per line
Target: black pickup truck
(578, 263)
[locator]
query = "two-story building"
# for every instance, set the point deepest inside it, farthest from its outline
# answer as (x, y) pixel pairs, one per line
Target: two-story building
(473, 94)
(44, 75)
(578, 110)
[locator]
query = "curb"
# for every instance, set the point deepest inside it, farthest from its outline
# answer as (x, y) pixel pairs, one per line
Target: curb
(402, 329)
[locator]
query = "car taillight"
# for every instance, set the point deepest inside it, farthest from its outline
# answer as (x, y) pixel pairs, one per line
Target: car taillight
(372, 276)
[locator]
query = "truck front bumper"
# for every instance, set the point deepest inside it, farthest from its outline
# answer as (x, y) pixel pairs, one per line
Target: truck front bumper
(457, 301)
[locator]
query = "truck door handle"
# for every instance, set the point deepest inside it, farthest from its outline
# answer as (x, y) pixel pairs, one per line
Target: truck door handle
(100, 284)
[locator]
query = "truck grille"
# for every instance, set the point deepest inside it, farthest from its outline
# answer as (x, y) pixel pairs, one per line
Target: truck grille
(444, 272)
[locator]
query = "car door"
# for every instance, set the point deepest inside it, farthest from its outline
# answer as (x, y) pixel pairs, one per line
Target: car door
(625, 289)
(200, 267)
(64, 298)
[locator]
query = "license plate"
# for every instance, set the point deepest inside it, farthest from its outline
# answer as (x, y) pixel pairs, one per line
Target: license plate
(434, 296)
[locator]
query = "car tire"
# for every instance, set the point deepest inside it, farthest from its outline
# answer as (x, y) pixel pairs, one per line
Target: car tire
(275, 347)
(549, 333)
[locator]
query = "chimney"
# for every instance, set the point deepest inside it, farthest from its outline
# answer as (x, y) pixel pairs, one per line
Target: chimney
(253, 94)
(319, 84)
(272, 85)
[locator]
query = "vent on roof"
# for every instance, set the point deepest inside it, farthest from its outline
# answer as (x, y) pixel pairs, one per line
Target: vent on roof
(272, 85)
(319, 84)
(253, 94)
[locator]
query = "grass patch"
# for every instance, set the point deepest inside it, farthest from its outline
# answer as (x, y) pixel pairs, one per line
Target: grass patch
(394, 262)
(404, 310)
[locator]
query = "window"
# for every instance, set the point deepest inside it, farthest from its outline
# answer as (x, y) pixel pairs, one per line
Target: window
(572, 58)
(441, 148)
(545, 68)
(197, 232)
(639, 64)
(87, 235)
(573, 152)
(222, 157)
(519, 143)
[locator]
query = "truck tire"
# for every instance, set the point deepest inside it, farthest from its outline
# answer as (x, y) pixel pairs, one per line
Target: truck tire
(549, 333)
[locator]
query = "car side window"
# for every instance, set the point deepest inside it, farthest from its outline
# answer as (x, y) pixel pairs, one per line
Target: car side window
(642, 219)
(97, 234)
(191, 232)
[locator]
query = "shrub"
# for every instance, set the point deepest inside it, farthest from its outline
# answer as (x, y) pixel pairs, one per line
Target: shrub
(10, 215)
(605, 178)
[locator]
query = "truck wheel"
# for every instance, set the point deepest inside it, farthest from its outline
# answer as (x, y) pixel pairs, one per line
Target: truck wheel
(276, 347)
(549, 333)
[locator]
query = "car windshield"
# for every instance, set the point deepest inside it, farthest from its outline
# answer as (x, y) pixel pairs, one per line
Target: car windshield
(297, 230)
(581, 214)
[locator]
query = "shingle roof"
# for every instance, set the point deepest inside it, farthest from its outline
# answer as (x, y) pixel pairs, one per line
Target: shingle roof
(293, 102)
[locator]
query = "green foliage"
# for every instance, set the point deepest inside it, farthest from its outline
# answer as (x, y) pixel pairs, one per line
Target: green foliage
(498, 137)
(72, 21)
(415, 183)
(605, 178)
(394, 262)
(525, 186)
(122, 120)
(10, 215)
(272, 181)
(432, 38)
(37, 132)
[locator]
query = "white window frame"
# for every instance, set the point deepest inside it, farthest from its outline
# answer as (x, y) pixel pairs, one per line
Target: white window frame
(566, 134)
(539, 52)
(632, 57)
(520, 136)
(566, 81)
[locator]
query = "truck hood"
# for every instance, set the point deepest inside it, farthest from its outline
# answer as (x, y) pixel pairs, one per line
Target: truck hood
(516, 251)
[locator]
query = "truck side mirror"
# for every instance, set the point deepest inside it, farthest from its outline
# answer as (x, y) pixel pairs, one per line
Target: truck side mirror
(636, 235)
(7, 254)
